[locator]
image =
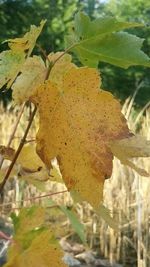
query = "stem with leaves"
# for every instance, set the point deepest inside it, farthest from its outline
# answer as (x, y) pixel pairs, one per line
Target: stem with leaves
(23, 141)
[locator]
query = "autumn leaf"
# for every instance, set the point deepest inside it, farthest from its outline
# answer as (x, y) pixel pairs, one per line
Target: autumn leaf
(29, 166)
(44, 251)
(133, 147)
(11, 61)
(33, 245)
(63, 65)
(10, 65)
(77, 121)
(28, 41)
(28, 219)
(33, 73)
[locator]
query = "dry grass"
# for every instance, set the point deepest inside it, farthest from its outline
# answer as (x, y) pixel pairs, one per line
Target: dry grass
(126, 195)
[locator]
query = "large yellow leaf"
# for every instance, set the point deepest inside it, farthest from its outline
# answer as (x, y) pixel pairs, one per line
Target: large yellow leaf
(77, 121)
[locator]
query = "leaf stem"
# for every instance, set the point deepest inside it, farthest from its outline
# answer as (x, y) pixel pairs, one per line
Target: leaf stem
(34, 198)
(66, 51)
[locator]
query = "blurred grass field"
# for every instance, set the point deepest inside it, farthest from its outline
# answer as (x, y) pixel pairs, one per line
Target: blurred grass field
(126, 194)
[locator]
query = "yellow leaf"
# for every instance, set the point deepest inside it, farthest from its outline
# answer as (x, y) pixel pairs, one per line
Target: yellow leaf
(27, 42)
(43, 252)
(62, 66)
(32, 169)
(11, 61)
(29, 219)
(77, 121)
(55, 174)
(128, 148)
(33, 74)
(29, 160)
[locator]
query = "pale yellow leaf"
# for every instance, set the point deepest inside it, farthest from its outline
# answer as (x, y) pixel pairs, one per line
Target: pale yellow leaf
(32, 75)
(29, 160)
(62, 66)
(133, 147)
(55, 174)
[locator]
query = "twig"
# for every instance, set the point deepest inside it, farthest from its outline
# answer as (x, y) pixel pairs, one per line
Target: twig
(34, 198)
(67, 50)
(13, 131)
(47, 207)
(4, 236)
(18, 150)
(43, 53)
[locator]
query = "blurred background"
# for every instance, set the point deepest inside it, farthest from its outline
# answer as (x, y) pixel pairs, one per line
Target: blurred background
(16, 16)
(126, 193)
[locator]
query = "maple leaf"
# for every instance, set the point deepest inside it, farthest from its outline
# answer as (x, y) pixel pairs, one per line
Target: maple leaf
(77, 121)
(101, 40)
(33, 245)
(11, 61)
(44, 251)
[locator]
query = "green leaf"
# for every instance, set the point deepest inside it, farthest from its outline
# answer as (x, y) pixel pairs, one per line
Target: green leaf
(10, 64)
(120, 49)
(78, 226)
(85, 28)
(104, 213)
(99, 40)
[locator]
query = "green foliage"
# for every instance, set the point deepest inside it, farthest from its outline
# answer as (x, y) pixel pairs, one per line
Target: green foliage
(123, 83)
(96, 40)
(78, 227)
